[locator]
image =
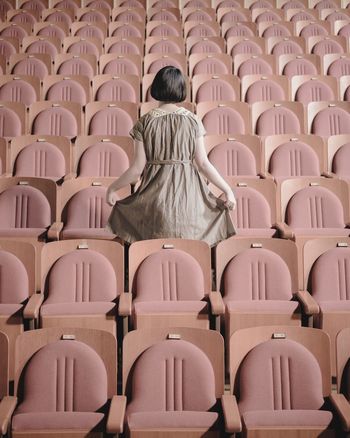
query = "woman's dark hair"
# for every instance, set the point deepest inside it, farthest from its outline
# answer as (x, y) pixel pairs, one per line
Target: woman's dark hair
(169, 85)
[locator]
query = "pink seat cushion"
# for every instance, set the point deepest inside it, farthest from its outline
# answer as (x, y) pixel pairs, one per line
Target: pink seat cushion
(171, 307)
(172, 420)
(256, 232)
(10, 309)
(288, 418)
(23, 232)
(87, 233)
(335, 306)
(321, 232)
(263, 306)
(87, 308)
(56, 420)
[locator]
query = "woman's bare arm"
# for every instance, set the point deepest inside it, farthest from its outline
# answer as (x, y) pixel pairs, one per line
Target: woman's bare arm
(131, 175)
(210, 172)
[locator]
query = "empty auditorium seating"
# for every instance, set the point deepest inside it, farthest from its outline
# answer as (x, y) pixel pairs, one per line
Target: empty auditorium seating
(338, 149)
(103, 118)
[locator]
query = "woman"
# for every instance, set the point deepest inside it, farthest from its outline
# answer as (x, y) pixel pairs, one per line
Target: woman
(173, 199)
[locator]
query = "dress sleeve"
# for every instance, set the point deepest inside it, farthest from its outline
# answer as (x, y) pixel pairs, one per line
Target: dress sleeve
(137, 131)
(200, 128)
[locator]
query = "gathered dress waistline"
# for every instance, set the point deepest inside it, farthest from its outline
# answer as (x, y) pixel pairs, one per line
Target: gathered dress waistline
(165, 162)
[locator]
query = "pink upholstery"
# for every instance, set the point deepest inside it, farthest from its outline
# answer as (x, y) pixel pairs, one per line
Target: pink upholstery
(278, 30)
(10, 123)
(278, 120)
(329, 276)
(14, 32)
(85, 309)
(202, 30)
(83, 47)
(124, 48)
(256, 232)
(127, 30)
(261, 4)
(341, 306)
(87, 209)
(205, 46)
(81, 276)
(211, 66)
(163, 16)
(43, 47)
(110, 121)
(257, 274)
(200, 16)
(314, 91)
(223, 121)
(215, 90)
(302, 16)
(277, 376)
(164, 30)
(76, 66)
(288, 418)
(87, 233)
(18, 91)
(63, 377)
(116, 90)
(103, 159)
(171, 307)
(163, 62)
(10, 309)
(280, 307)
(52, 31)
(6, 49)
(93, 17)
(67, 90)
(264, 90)
(22, 17)
(67, 4)
(239, 29)
(331, 121)
(246, 47)
(336, 16)
(326, 4)
(90, 32)
(253, 210)
(233, 17)
(121, 66)
(24, 207)
(293, 159)
(40, 159)
(313, 29)
(345, 31)
(315, 207)
(13, 280)
(165, 47)
(128, 16)
(177, 364)
(169, 275)
(269, 16)
(233, 158)
(347, 95)
(172, 420)
(341, 161)
(298, 67)
(326, 47)
(59, 17)
(286, 48)
(55, 121)
(293, 4)
(31, 67)
(254, 66)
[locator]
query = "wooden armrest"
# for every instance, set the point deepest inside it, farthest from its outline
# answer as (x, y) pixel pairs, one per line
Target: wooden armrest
(329, 174)
(232, 417)
(7, 406)
(342, 407)
(70, 175)
(115, 420)
(31, 309)
(55, 231)
(285, 231)
(265, 175)
(216, 303)
(125, 304)
(310, 306)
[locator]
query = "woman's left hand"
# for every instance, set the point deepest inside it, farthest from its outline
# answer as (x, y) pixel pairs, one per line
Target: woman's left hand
(111, 197)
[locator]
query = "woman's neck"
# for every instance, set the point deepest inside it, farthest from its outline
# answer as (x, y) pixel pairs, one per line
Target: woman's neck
(167, 105)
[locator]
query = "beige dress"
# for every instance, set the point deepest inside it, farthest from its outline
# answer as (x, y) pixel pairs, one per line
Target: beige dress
(172, 200)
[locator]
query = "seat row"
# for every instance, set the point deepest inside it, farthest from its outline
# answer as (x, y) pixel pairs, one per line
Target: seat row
(173, 384)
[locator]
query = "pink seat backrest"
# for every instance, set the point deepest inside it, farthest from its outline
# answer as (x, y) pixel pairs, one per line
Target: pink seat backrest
(345, 31)
(124, 48)
(257, 274)
(205, 46)
(81, 276)
(116, 90)
(315, 207)
(239, 30)
(88, 209)
(42, 47)
(58, 17)
(314, 91)
(52, 31)
(330, 275)
(90, 32)
(40, 159)
(67, 90)
(33, 5)
(110, 121)
(313, 29)
(163, 62)
(55, 121)
(93, 17)
(302, 16)
(163, 16)
(76, 66)
(223, 120)
(164, 47)
(325, 4)
(202, 30)
(278, 30)
(185, 379)
(14, 32)
(6, 48)
(83, 48)
(278, 120)
(164, 30)
(331, 121)
(127, 30)
(121, 66)
(211, 66)
(22, 17)
(268, 16)
(128, 16)
(64, 376)
(341, 161)
(299, 385)
(215, 90)
(10, 123)
(326, 47)
(200, 16)
(233, 158)
(286, 48)
(254, 66)
(264, 90)
(298, 67)
(246, 47)
(294, 159)
(233, 17)
(103, 159)
(252, 211)
(24, 207)
(14, 283)
(293, 4)
(169, 275)
(31, 67)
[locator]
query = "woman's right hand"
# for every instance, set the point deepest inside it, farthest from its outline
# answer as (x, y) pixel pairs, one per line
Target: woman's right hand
(230, 202)
(111, 197)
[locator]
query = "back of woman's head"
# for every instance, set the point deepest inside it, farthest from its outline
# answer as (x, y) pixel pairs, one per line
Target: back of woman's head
(169, 85)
